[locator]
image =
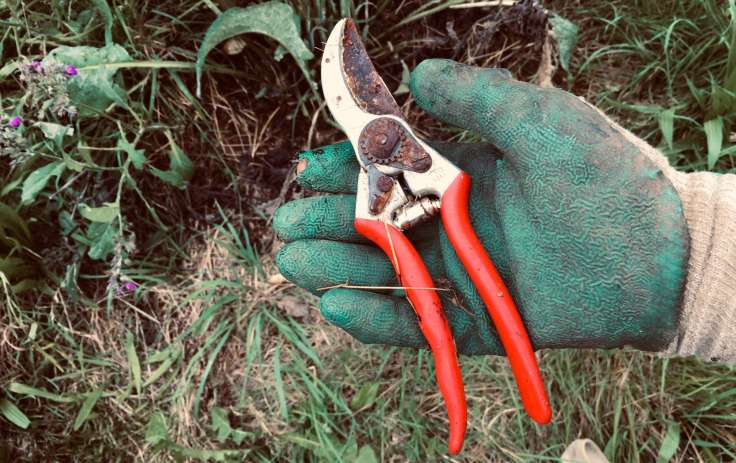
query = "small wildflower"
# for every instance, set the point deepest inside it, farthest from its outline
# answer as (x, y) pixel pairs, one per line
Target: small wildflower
(46, 83)
(130, 286)
(119, 283)
(15, 122)
(12, 142)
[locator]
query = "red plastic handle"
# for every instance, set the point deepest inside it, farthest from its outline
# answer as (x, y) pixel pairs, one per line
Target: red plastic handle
(413, 275)
(493, 291)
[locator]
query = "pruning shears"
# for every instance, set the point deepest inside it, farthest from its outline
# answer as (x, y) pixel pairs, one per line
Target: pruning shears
(402, 182)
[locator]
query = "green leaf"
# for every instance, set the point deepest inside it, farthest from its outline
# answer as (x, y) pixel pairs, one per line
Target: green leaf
(7, 69)
(73, 164)
(722, 102)
(566, 34)
(137, 157)
(55, 132)
(220, 423)
(182, 453)
(666, 119)
(134, 365)
(14, 414)
(169, 177)
(180, 167)
(38, 179)
(104, 214)
(238, 436)
(101, 239)
(86, 409)
(69, 283)
(670, 443)
(366, 455)
(156, 430)
(274, 19)
(714, 135)
(365, 396)
(93, 86)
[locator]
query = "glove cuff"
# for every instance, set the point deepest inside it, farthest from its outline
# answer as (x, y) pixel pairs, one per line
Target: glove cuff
(708, 311)
(708, 315)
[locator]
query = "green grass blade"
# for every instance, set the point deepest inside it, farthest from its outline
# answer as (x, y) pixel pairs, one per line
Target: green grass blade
(14, 414)
(714, 134)
(22, 389)
(86, 409)
(670, 443)
(107, 16)
(208, 368)
(280, 394)
(134, 365)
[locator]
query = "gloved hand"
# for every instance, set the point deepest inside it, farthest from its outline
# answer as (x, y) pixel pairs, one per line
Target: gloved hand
(584, 227)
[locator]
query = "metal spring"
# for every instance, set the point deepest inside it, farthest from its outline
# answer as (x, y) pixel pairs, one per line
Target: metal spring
(416, 212)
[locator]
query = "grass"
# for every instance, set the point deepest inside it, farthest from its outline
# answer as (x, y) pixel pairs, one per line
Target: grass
(213, 357)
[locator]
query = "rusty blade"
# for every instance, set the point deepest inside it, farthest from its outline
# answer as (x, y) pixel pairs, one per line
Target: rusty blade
(338, 96)
(367, 87)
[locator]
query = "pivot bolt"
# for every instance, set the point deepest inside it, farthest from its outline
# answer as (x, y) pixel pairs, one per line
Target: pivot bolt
(379, 140)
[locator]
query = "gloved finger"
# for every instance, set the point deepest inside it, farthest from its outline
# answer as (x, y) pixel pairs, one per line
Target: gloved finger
(530, 124)
(380, 319)
(315, 264)
(372, 318)
(331, 217)
(332, 169)
(319, 217)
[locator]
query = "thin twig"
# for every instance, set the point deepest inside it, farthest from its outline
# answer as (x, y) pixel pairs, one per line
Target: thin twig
(345, 285)
(314, 124)
(393, 251)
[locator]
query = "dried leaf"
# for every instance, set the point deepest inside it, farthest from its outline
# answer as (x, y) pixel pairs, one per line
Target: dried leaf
(293, 306)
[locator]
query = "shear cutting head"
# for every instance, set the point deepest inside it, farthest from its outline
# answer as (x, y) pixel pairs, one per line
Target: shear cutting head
(402, 178)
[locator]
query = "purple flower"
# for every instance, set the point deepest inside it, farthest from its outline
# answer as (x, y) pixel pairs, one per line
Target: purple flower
(36, 66)
(15, 122)
(70, 70)
(130, 286)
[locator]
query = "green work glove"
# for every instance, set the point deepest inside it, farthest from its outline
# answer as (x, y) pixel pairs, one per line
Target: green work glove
(586, 231)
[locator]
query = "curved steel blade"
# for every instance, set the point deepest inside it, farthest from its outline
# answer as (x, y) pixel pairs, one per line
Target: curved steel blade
(368, 88)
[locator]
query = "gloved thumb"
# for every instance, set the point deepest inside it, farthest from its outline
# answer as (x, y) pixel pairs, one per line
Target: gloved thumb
(484, 100)
(524, 121)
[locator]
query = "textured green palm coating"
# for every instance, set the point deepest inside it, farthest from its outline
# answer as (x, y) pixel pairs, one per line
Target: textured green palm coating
(585, 230)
